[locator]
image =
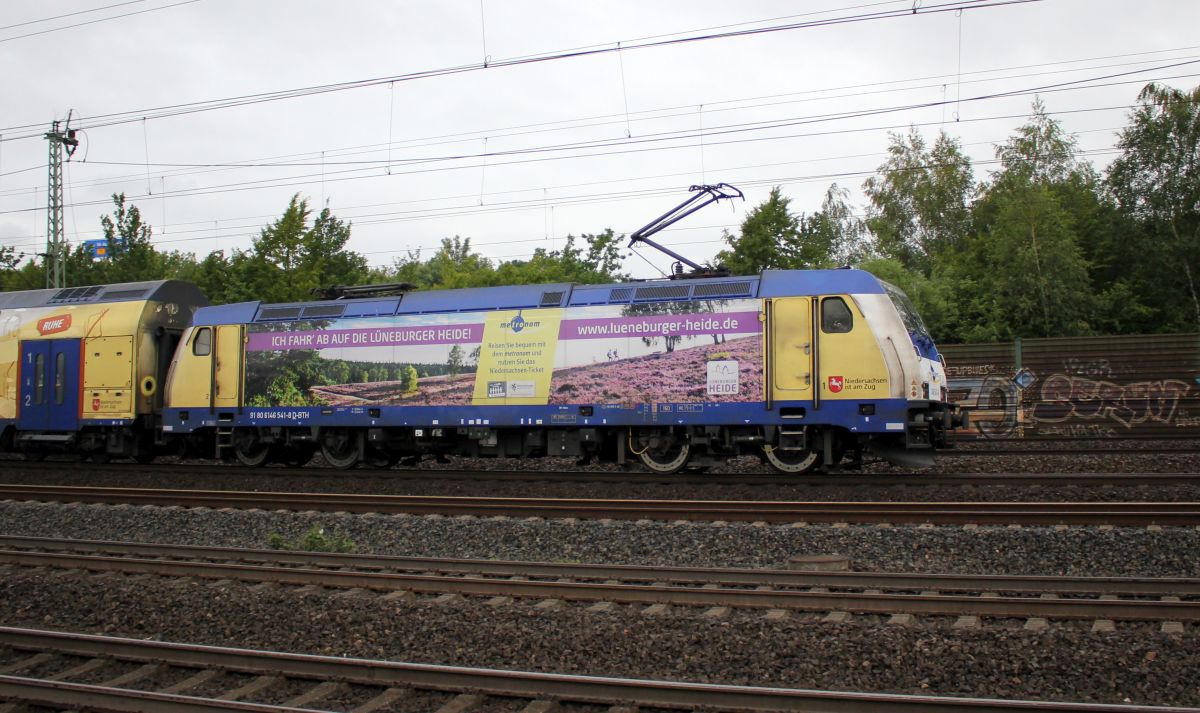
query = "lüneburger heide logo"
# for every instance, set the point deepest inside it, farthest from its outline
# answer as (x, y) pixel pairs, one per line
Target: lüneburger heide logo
(53, 325)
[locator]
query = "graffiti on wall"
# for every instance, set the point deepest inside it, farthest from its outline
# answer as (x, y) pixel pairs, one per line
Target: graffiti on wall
(1085, 399)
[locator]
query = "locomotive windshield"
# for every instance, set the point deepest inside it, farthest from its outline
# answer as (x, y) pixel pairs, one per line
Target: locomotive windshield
(908, 313)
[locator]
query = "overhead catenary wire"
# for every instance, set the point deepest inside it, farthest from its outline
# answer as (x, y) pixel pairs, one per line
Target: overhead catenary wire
(125, 117)
(581, 199)
(97, 20)
(508, 132)
(348, 214)
(639, 144)
(497, 184)
(70, 14)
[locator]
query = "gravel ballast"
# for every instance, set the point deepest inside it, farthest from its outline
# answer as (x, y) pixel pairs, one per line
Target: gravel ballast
(1060, 663)
(1080, 551)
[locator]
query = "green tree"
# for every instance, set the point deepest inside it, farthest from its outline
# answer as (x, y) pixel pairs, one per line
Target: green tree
(831, 236)
(920, 201)
(290, 257)
(590, 259)
(131, 257)
(769, 238)
(454, 264)
(1156, 183)
(1026, 263)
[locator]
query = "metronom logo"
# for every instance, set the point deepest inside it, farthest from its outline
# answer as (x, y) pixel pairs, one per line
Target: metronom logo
(518, 323)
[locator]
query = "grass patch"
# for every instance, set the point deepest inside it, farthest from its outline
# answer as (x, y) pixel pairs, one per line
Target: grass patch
(315, 540)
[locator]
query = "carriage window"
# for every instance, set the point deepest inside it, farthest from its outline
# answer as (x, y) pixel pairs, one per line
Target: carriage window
(202, 342)
(835, 316)
(39, 379)
(60, 373)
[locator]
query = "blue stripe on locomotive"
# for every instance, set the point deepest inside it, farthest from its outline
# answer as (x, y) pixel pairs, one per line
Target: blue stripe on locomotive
(840, 413)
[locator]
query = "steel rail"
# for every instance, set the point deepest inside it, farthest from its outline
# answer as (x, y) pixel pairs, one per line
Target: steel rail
(584, 689)
(1034, 513)
(724, 576)
(88, 697)
(625, 593)
(844, 478)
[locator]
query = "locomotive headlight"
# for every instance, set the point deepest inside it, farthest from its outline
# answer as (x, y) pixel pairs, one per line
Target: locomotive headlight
(925, 390)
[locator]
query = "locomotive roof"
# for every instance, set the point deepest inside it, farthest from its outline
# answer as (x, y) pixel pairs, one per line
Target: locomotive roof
(158, 290)
(771, 283)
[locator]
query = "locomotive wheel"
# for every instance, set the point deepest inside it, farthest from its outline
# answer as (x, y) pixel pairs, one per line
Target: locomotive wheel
(252, 452)
(792, 462)
(667, 460)
(340, 448)
(145, 458)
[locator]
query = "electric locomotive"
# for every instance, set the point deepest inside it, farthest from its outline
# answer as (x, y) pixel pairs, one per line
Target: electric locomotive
(800, 368)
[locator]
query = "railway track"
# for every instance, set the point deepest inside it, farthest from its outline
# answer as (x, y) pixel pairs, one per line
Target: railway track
(154, 676)
(178, 471)
(1173, 601)
(959, 452)
(1025, 513)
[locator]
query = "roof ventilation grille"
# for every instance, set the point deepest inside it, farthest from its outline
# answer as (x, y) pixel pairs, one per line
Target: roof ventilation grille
(722, 289)
(662, 292)
(323, 311)
(620, 294)
(123, 294)
(552, 299)
(268, 313)
(76, 294)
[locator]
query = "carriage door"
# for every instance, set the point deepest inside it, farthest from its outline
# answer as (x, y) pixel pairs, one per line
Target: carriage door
(791, 350)
(227, 366)
(49, 385)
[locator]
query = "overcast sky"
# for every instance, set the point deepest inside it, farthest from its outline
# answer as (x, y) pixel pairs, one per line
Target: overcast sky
(517, 156)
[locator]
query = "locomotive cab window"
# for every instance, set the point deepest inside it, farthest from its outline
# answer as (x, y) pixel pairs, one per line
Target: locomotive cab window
(202, 342)
(835, 316)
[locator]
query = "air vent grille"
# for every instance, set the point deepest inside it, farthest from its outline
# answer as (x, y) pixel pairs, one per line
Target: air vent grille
(620, 294)
(722, 289)
(662, 292)
(76, 294)
(552, 299)
(124, 294)
(324, 311)
(278, 313)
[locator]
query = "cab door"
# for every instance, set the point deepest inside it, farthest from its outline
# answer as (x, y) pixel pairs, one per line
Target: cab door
(791, 349)
(850, 363)
(49, 399)
(227, 367)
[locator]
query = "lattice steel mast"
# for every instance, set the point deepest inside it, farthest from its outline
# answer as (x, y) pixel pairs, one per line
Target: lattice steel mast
(56, 247)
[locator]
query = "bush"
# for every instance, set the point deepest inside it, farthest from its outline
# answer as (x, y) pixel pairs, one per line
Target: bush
(315, 540)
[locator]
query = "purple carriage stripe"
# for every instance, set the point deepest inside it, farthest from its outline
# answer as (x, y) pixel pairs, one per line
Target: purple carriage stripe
(398, 336)
(661, 325)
